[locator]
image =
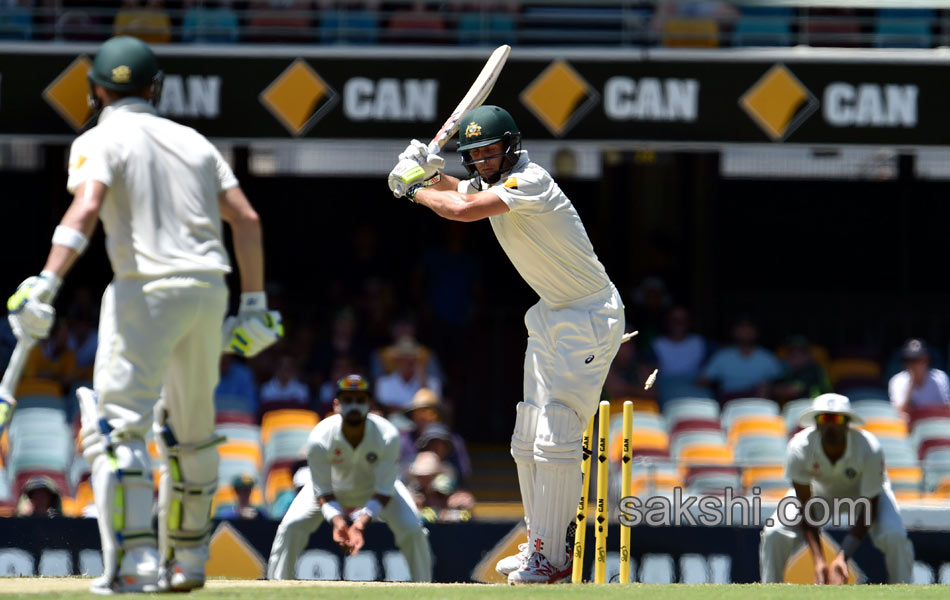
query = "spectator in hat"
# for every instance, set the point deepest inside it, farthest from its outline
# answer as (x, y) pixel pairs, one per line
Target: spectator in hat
(243, 485)
(396, 390)
(40, 498)
(434, 487)
(438, 438)
(743, 369)
(285, 389)
(918, 386)
(804, 377)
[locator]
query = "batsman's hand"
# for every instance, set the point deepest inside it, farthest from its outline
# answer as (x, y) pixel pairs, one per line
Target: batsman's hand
(31, 313)
(415, 166)
(254, 328)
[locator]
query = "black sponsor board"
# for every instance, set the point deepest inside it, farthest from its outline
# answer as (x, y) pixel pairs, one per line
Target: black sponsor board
(711, 98)
(458, 547)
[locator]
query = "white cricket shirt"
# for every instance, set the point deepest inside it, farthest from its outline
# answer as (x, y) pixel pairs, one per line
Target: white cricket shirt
(161, 214)
(935, 390)
(858, 473)
(353, 475)
(543, 235)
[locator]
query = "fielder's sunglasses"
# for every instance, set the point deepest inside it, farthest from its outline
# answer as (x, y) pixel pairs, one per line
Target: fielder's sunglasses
(831, 419)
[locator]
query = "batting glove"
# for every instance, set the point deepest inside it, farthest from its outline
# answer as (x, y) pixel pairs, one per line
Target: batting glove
(31, 313)
(254, 328)
(415, 166)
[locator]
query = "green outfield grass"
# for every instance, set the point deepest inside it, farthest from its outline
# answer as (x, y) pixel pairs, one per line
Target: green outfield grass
(76, 589)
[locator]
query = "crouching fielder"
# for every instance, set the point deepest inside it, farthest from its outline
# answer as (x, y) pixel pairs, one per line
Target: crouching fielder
(354, 460)
(574, 330)
(832, 460)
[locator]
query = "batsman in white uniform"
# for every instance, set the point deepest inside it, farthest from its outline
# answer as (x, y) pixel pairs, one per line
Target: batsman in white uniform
(354, 464)
(574, 330)
(832, 460)
(161, 191)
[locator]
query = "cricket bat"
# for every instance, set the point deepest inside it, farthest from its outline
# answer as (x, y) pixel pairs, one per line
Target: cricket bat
(475, 97)
(11, 377)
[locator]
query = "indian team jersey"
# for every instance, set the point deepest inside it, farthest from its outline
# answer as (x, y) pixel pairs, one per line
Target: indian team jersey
(543, 235)
(859, 473)
(160, 214)
(353, 475)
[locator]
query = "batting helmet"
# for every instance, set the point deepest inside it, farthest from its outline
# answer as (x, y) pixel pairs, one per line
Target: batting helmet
(484, 126)
(126, 65)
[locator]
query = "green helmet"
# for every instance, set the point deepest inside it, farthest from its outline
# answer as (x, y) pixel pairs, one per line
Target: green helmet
(127, 65)
(484, 126)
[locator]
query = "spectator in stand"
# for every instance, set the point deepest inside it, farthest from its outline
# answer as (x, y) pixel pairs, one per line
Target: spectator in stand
(438, 438)
(344, 341)
(416, 24)
(40, 498)
(211, 22)
(150, 23)
(342, 366)
(243, 485)
(679, 352)
(383, 360)
(237, 389)
(427, 417)
(650, 304)
(804, 377)
(435, 490)
(395, 391)
(285, 390)
(918, 386)
(83, 332)
(743, 369)
(627, 374)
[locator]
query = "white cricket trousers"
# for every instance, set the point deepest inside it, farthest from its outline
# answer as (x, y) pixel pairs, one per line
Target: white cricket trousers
(887, 533)
(304, 517)
(161, 337)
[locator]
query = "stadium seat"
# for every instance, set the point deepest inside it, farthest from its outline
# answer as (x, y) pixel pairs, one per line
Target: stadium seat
(831, 27)
(415, 27)
(225, 497)
(690, 33)
(286, 25)
(688, 439)
(760, 450)
(279, 479)
(886, 427)
(348, 27)
(39, 438)
(898, 452)
(16, 23)
(792, 412)
(763, 26)
(707, 482)
(484, 27)
(287, 418)
(849, 372)
(934, 428)
(647, 405)
(215, 25)
(903, 28)
(284, 434)
(706, 454)
(642, 439)
(239, 431)
(769, 425)
(746, 407)
(911, 475)
(671, 387)
(856, 394)
(695, 425)
(874, 409)
(917, 414)
(152, 25)
(681, 409)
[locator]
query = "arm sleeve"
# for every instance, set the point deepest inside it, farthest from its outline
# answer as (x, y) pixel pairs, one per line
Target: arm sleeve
(796, 466)
(943, 383)
(319, 469)
(388, 468)
(872, 478)
(528, 193)
(88, 160)
(897, 390)
(713, 369)
(223, 172)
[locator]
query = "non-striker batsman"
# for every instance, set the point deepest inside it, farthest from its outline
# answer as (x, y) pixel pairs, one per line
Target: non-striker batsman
(161, 191)
(574, 330)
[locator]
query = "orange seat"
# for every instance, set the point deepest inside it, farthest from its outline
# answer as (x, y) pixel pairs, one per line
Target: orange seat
(853, 368)
(691, 33)
(707, 454)
(648, 405)
(225, 495)
(943, 488)
(642, 439)
(659, 483)
(907, 495)
(73, 507)
(752, 475)
(241, 449)
(905, 474)
(286, 418)
(278, 480)
(38, 386)
(756, 425)
(889, 428)
(148, 24)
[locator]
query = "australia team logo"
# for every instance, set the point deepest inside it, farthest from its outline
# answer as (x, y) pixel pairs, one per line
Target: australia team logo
(371, 457)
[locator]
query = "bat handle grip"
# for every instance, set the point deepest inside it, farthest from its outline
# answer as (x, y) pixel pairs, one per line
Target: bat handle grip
(434, 146)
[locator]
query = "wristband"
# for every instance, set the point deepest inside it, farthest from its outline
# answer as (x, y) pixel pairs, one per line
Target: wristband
(331, 510)
(849, 545)
(253, 301)
(71, 238)
(372, 508)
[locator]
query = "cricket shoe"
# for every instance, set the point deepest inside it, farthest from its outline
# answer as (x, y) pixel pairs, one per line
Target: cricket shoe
(124, 584)
(513, 562)
(182, 575)
(538, 569)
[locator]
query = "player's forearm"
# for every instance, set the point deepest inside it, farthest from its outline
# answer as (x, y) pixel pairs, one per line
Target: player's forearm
(249, 251)
(813, 542)
(82, 217)
(447, 204)
(446, 183)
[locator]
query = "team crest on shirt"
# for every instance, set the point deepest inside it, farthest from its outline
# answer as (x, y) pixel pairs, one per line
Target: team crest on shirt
(371, 457)
(850, 473)
(337, 457)
(814, 467)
